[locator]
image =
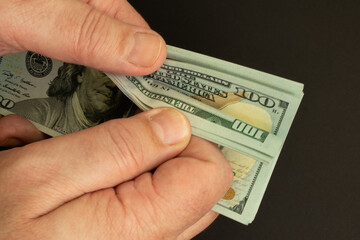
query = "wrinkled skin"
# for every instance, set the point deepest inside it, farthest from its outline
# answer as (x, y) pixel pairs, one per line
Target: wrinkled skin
(144, 177)
(95, 33)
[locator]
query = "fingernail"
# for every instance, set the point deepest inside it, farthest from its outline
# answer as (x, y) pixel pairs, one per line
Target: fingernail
(170, 125)
(146, 49)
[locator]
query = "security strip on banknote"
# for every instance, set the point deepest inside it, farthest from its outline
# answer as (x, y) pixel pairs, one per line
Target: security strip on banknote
(246, 112)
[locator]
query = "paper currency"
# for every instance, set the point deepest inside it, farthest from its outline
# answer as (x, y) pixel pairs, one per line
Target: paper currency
(247, 112)
(228, 104)
(59, 98)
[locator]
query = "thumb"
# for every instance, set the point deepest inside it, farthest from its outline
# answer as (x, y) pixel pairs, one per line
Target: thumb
(52, 172)
(76, 32)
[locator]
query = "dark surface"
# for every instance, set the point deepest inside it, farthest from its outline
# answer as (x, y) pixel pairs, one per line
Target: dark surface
(314, 191)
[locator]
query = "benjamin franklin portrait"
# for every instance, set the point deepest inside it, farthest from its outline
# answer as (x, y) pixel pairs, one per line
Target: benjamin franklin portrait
(79, 98)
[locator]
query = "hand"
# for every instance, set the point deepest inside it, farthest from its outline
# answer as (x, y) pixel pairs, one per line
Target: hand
(108, 35)
(96, 184)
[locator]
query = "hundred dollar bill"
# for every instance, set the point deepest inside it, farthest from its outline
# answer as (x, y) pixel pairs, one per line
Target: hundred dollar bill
(228, 104)
(60, 98)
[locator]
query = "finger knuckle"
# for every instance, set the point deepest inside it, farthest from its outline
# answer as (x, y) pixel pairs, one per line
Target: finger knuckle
(127, 153)
(89, 41)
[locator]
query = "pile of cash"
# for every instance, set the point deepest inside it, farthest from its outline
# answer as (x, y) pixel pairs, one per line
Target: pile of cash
(246, 112)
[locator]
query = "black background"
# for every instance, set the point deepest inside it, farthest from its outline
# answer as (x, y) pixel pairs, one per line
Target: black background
(314, 190)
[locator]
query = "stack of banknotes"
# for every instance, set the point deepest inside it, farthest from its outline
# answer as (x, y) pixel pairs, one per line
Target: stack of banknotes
(246, 112)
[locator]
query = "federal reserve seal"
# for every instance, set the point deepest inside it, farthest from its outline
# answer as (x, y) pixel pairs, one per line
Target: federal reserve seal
(38, 65)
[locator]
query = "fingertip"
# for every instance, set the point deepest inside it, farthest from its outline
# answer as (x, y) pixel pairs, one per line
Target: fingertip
(137, 51)
(148, 49)
(145, 55)
(140, 52)
(170, 125)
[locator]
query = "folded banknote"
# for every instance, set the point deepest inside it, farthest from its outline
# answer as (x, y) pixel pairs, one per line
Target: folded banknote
(248, 113)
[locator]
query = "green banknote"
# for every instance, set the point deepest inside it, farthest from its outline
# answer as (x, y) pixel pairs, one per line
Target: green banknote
(59, 98)
(246, 112)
